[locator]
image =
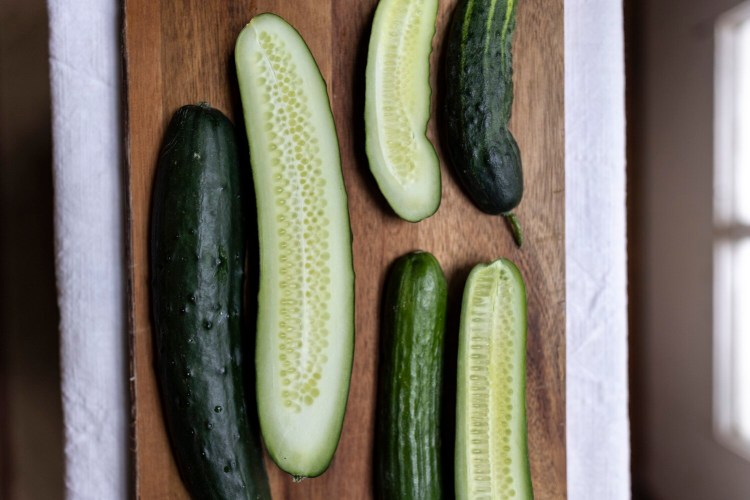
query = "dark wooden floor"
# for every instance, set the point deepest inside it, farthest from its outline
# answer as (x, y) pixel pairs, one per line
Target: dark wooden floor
(31, 463)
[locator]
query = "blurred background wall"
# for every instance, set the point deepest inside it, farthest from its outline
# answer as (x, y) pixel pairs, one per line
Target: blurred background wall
(31, 464)
(672, 231)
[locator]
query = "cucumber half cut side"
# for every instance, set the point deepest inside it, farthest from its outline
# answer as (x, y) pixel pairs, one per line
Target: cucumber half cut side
(397, 107)
(491, 443)
(306, 297)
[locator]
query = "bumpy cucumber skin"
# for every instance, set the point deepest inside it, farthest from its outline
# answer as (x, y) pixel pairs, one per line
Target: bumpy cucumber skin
(525, 491)
(197, 258)
(408, 440)
(479, 98)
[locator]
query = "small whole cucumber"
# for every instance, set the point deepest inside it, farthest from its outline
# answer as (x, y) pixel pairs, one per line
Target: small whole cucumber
(408, 445)
(197, 258)
(479, 98)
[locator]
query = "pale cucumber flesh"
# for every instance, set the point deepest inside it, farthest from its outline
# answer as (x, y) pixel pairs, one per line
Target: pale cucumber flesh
(491, 460)
(397, 107)
(305, 302)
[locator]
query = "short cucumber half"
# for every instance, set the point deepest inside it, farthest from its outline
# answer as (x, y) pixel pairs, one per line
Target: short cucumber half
(306, 297)
(491, 455)
(397, 107)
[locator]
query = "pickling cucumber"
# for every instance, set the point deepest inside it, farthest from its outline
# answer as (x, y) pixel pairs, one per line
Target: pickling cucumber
(306, 297)
(478, 103)
(197, 257)
(397, 107)
(491, 454)
(408, 445)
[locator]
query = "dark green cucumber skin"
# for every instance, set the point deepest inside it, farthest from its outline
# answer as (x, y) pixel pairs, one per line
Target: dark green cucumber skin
(197, 258)
(478, 102)
(408, 444)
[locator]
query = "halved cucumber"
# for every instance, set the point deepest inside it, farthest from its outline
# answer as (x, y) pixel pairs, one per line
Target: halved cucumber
(306, 298)
(397, 107)
(491, 444)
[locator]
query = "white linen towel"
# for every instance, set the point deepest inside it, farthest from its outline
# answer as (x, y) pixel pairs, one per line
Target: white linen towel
(86, 127)
(595, 246)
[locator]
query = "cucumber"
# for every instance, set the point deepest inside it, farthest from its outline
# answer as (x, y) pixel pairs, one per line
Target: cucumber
(306, 298)
(408, 445)
(197, 258)
(397, 107)
(479, 98)
(491, 455)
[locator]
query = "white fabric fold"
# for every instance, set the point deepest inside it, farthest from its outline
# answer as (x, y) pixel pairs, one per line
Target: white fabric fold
(595, 246)
(86, 128)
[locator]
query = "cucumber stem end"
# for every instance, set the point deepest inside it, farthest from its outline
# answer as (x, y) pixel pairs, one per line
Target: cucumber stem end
(515, 228)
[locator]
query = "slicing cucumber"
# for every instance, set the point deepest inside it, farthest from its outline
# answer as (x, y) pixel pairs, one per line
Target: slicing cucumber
(491, 455)
(397, 107)
(479, 98)
(306, 297)
(197, 257)
(408, 445)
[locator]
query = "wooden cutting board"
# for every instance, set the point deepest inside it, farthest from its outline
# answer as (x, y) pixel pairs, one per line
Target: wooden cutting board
(181, 51)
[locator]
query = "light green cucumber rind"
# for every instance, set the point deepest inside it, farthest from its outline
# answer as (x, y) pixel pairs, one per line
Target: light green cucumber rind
(419, 198)
(302, 444)
(521, 473)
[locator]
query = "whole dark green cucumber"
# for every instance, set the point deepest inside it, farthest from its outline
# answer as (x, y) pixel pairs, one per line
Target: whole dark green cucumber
(479, 97)
(411, 378)
(197, 258)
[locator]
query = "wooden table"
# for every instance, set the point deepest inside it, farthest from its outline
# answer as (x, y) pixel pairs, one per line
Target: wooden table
(181, 51)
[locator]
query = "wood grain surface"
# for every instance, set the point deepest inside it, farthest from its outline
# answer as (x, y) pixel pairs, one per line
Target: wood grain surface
(181, 51)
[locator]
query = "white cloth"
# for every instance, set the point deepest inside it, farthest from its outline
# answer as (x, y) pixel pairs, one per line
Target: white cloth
(85, 62)
(86, 128)
(595, 246)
